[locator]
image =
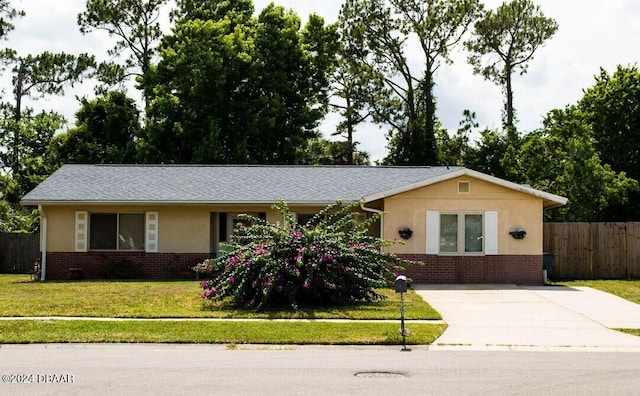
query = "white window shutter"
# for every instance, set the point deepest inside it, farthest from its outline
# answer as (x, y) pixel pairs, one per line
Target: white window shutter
(151, 232)
(81, 231)
(433, 232)
(491, 232)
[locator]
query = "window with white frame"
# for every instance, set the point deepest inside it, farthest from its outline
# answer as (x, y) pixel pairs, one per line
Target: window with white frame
(462, 232)
(117, 231)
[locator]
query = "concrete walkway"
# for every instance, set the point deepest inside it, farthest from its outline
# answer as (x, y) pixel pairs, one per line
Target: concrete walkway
(542, 317)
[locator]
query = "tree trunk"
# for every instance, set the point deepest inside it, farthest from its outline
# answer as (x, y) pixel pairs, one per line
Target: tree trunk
(350, 124)
(428, 152)
(508, 125)
(17, 116)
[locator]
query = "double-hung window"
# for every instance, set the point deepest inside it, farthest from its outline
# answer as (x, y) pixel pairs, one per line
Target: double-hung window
(117, 231)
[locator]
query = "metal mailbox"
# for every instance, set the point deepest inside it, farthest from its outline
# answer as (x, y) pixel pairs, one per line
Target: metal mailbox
(400, 284)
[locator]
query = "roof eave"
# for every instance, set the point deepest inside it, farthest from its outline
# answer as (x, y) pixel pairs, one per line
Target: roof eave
(190, 202)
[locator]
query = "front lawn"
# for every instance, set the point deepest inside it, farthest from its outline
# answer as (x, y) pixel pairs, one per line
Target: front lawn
(224, 332)
(19, 296)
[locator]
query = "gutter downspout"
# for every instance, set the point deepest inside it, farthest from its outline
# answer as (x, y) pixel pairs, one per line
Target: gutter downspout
(371, 210)
(43, 245)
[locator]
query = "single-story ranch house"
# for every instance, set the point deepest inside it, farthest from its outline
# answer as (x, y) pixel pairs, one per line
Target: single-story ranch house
(466, 226)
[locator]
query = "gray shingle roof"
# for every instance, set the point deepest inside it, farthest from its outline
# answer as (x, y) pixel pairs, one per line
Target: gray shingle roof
(235, 183)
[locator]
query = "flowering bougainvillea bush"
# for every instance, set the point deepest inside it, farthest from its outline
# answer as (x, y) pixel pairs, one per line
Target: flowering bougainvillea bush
(331, 260)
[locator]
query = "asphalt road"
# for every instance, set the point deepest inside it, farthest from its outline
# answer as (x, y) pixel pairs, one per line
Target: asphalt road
(160, 369)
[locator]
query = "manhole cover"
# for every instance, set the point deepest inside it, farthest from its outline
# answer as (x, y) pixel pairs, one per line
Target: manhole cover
(380, 374)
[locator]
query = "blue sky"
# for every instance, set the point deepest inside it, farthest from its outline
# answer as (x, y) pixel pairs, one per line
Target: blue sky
(592, 34)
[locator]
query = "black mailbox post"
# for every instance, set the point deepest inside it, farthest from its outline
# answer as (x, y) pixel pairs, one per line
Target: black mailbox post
(400, 285)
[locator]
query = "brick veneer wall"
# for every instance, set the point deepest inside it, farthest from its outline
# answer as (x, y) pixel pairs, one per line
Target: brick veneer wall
(151, 265)
(520, 270)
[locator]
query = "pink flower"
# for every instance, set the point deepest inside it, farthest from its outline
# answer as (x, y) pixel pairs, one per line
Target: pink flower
(209, 293)
(232, 279)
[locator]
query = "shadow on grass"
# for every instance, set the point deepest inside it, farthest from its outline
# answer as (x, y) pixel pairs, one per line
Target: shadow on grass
(374, 310)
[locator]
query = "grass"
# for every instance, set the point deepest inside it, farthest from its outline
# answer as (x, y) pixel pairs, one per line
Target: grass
(19, 296)
(627, 289)
(226, 332)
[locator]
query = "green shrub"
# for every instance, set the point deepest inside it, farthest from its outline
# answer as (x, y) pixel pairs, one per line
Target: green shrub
(330, 260)
(120, 269)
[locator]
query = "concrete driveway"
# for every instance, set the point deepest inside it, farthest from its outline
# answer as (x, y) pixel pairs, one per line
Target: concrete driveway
(522, 317)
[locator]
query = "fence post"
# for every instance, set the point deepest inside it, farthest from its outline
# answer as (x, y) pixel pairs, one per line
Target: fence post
(626, 252)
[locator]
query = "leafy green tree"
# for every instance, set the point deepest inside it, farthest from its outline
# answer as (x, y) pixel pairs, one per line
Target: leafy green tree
(30, 136)
(203, 71)
(406, 102)
(612, 108)
(504, 41)
(134, 24)
(33, 77)
(106, 131)
(237, 88)
(15, 219)
(487, 154)
(7, 15)
(452, 150)
(238, 12)
(325, 152)
(331, 260)
(289, 90)
(561, 158)
(353, 86)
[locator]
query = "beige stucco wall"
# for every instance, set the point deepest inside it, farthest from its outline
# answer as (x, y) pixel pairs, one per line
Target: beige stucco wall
(514, 209)
(181, 229)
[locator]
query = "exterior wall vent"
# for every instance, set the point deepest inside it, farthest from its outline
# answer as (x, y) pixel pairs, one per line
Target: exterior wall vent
(464, 187)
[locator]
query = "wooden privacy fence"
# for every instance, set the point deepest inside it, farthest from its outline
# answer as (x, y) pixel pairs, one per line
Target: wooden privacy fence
(593, 250)
(18, 252)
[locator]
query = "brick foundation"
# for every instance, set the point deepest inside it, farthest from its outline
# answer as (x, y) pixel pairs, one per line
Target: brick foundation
(519, 270)
(150, 265)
